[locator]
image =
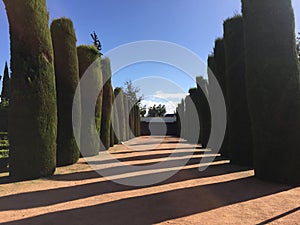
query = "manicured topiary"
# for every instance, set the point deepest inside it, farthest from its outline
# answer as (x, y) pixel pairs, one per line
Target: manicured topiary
(204, 111)
(272, 77)
(137, 121)
(220, 74)
(89, 56)
(211, 64)
(118, 93)
(239, 124)
(126, 116)
(107, 103)
(115, 121)
(67, 78)
(33, 111)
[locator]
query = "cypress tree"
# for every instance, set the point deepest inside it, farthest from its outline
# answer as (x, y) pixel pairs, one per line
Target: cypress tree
(272, 76)
(107, 103)
(5, 84)
(88, 55)
(33, 112)
(137, 121)
(126, 117)
(115, 115)
(204, 111)
(239, 124)
(67, 78)
(220, 74)
(118, 93)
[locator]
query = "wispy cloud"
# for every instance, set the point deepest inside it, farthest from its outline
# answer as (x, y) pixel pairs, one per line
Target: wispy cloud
(163, 95)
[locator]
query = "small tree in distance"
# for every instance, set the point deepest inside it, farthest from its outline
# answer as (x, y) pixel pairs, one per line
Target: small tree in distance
(157, 111)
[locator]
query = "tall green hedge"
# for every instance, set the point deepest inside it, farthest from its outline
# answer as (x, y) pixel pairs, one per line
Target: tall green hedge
(220, 74)
(239, 124)
(107, 103)
(204, 111)
(33, 111)
(272, 76)
(118, 93)
(116, 122)
(126, 117)
(67, 78)
(88, 55)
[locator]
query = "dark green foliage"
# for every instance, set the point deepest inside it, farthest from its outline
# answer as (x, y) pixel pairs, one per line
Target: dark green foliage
(157, 111)
(298, 46)
(272, 76)
(67, 78)
(220, 74)
(33, 112)
(126, 117)
(211, 64)
(118, 93)
(180, 118)
(5, 84)
(107, 103)
(88, 55)
(3, 118)
(115, 130)
(239, 125)
(137, 121)
(203, 111)
(220, 64)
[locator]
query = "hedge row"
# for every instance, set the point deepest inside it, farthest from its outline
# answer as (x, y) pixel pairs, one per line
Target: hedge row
(33, 110)
(67, 78)
(272, 76)
(240, 141)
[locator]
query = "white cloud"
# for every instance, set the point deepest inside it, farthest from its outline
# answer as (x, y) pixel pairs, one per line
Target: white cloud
(161, 94)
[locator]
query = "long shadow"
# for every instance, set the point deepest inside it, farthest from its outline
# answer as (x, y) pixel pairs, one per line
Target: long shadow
(65, 194)
(160, 207)
(143, 157)
(279, 216)
(159, 149)
(156, 142)
(117, 170)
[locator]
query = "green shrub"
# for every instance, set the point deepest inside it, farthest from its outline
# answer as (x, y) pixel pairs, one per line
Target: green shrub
(126, 116)
(239, 124)
(118, 93)
(33, 111)
(115, 120)
(272, 76)
(88, 55)
(67, 78)
(107, 103)
(204, 111)
(220, 74)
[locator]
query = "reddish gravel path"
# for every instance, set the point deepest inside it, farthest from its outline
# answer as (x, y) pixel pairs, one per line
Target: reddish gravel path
(222, 194)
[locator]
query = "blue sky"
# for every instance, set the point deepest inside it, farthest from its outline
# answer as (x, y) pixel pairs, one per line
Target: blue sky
(193, 24)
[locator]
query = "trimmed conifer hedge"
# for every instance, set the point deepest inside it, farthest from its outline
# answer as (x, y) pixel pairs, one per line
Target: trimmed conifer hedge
(67, 78)
(118, 93)
(88, 55)
(204, 111)
(107, 103)
(220, 74)
(239, 124)
(126, 117)
(116, 122)
(33, 111)
(272, 76)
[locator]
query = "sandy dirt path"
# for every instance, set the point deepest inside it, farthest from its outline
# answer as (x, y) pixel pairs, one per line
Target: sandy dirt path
(222, 194)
